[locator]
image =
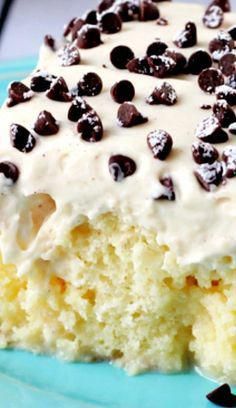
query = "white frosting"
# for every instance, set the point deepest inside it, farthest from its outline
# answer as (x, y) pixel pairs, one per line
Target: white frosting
(197, 226)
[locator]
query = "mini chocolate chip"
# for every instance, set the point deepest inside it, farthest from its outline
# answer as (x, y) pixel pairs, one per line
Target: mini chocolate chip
(209, 79)
(199, 61)
(224, 113)
(227, 64)
(213, 17)
(69, 55)
(128, 10)
(156, 48)
(121, 166)
(232, 128)
(222, 396)
(9, 170)
(78, 108)
(232, 32)
(41, 81)
(50, 42)
(140, 66)
(110, 23)
(168, 191)
(123, 91)
(120, 56)
(187, 37)
(129, 116)
(229, 157)
(18, 93)
(204, 153)
(163, 94)
(221, 45)
(90, 85)
(148, 11)
(160, 143)
(91, 17)
(223, 4)
(88, 36)
(104, 5)
(209, 130)
(21, 138)
(205, 106)
(162, 66)
(161, 21)
(227, 93)
(90, 127)
(231, 81)
(46, 124)
(179, 60)
(59, 91)
(209, 176)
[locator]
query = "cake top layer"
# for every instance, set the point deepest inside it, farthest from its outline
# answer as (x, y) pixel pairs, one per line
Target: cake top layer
(133, 117)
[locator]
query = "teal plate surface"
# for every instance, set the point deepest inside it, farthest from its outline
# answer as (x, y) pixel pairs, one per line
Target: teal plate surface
(28, 381)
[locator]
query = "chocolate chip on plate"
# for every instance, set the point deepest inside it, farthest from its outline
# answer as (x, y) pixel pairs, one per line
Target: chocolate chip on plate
(226, 92)
(105, 5)
(69, 55)
(50, 42)
(88, 36)
(110, 23)
(232, 32)
(227, 64)
(168, 191)
(223, 4)
(179, 60)
(161, 21)
(78, 108)
(46, 124)
(229, 157)
(161, 66)
(221, 45)
(121, 166)
(18, 93)
(187, 37)
(156, 48)
(120, 56)
(204, 153)
(199, 61)
(160, 143)
(224, 113)
(41, 81)
(59, 91)
(209, 176)
(209, 130)
(129, 116)
(222, 396)
(123, 91)
(148, 11)
(90, 85)
(140, 66)
(209, 79)
(9, 170)
(90, 127)
(232, 128)
(21, 138)
(231, 81)
(163, 94)
(213, 17)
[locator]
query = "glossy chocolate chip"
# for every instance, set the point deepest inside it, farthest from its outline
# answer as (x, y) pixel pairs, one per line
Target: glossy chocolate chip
(18, 93)
(179, 59)
(91, 17)
(156, 48)
(209, 176)
(41, 81)
(204, 153)
(231, 81)
(148, 11)
(120, 56)
(123, 91)
(129, 116)
(221, 45)
(140, 66)
(105, 5)
(160, 143)
(213, 17)
(9, 170)
(69, 56)
(50, 42)
(227, 64)
(121, 167)
(161, 66)
(128, 10)
(88, 36)
(46, 124)
(223, 4)
(226, 92)
(209, 79)
(224, 113)
(232, 32)
(110, 23)
(21, 138)
(199, 61)
(90, 85)
(59, 91)
(187, 37)
(163, 94)
(168, 190)
(90, 127)
(209, 130)
(232, 128)
(78, 108)
(229, 157)
(161, 21)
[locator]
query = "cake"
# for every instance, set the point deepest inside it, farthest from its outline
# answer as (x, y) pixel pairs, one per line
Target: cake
(117, 208)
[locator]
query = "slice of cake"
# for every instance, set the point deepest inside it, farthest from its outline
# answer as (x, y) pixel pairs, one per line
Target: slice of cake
(117, 208)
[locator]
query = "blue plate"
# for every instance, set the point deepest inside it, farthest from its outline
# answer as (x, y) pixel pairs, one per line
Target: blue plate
(28, 381)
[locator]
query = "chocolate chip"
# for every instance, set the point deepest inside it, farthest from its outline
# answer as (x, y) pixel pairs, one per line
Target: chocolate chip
(41, 81)
(148, 11)
(46, 124)
(140, 66)
(90, 127)
(129, 116)
(168, 191)
(50, 42)
(110, 23)
(205, 106)
(222, 396)
(231, 81)
(227, 64)
(69, 56)
(204, 153)
(224, 113)
(160, 143)
(163, 94)
(162, 66)
(187, 37)
(10, 171)
(121, 166)
(127, 10)
(179, 59)
(232, 32)
(104, 5)
(88, 36)
(161, 21)
(221, 45)
(78, 108)
(91, 17)
(232, 128)
(77, 25)
(213, 17)
(226, 92)
(21, 138)
(18, 93)
(156, 48)
(229, 157)
(90, 85)
(209, 130)
(209, 79)
(59, 91)
(122, 91)
(199, 61)
(209, 175)
(120, 56)
(68, 27)
(223, 4)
